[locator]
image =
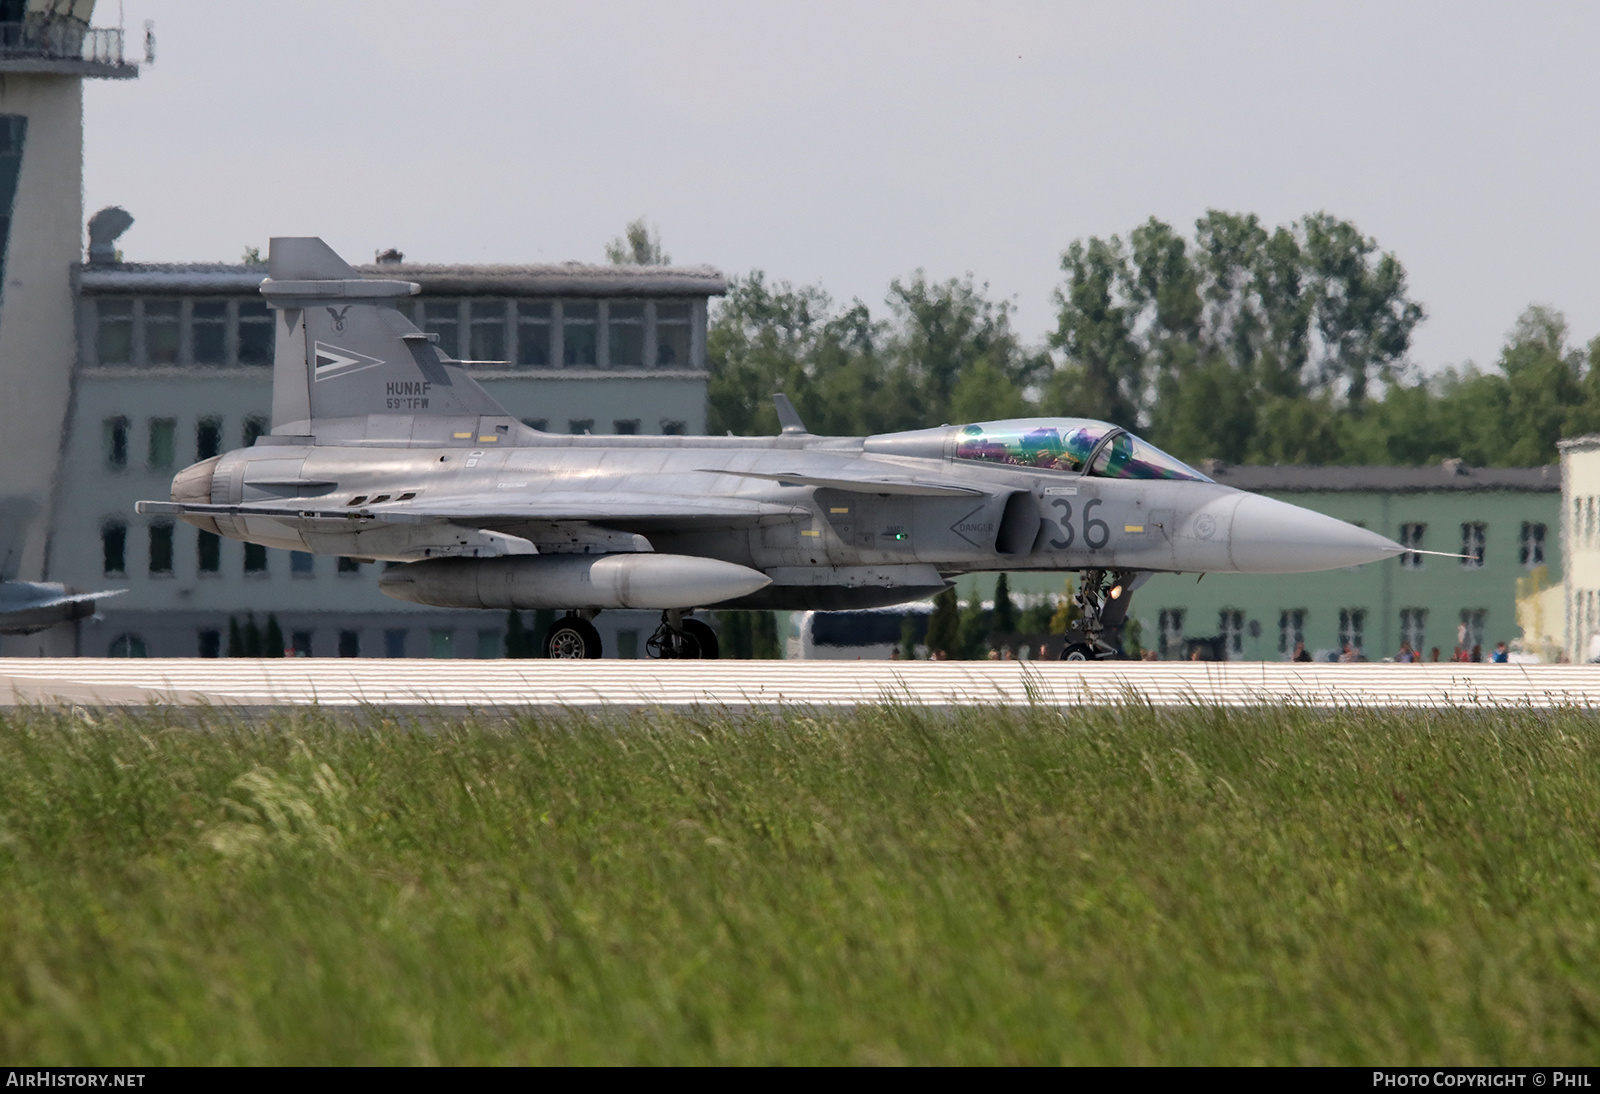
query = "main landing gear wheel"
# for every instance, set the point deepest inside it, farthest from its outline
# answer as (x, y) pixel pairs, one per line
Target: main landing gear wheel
(572, 638)
(680, 639)
(1078, 651)
(704, 637)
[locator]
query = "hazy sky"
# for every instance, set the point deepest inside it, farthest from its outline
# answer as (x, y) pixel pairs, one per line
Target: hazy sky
(851, 143)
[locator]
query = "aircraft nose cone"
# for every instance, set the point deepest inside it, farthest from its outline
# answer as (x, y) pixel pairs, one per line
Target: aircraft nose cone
(1274, 537)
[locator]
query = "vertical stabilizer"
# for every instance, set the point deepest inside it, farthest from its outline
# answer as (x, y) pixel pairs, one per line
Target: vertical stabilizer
(344, 351)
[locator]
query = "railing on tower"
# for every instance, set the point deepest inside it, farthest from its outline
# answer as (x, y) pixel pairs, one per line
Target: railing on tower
(61, 41)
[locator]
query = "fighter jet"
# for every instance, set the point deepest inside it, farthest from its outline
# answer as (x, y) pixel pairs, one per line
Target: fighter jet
(29, 606)
(383, 448)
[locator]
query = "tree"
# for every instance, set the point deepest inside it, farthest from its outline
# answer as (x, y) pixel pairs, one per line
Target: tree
(1102, 372)
(272, 640)
(973, 640)
(1004, 619)
(639, 245)
(1363, 315)
(748, 635)
(519, 641)
(942, 332)
(766, 338)
(944, 625)
(251, 636)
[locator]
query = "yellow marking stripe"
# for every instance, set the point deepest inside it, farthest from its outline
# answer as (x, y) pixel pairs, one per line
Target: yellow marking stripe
(810, 532)
(1133, 527)
(463, 436)
(838, 510)
(486, 440)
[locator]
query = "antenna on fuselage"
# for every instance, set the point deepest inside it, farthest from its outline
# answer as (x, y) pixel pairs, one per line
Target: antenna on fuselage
(788, 417)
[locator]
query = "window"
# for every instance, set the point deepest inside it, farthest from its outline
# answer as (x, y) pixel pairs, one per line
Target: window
(490, 643)
(625, 344)
(1532, 552)
(114, 548)
(1469, 633)
(349, 565)
(210, 644)
(579, 334)
(1230, 626)
(208, 438)
(1414, 628)
(208, 552)
(208, 327)
(255, 558)
(255, 333)
(628, 645)
(161, 550)
(1472, 544)
(127, 645)
(114, 338)
(625, 427)
(350, 643)
(1352, 628)
(441, 642)
(672, 336)
(162, 326)
(302, 563)
(300, 643)
(115, 433)
(254, 427)
(1171, 639)
(671, 427)
(578, 427)
(533, 334)
(488, 340)
(443, 317)
(394, 643)
(1411, 538)
(1291, 630)
(163, 442)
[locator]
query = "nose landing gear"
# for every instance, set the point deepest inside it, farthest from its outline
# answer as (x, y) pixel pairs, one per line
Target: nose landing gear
(679, 638)
(1097, 635)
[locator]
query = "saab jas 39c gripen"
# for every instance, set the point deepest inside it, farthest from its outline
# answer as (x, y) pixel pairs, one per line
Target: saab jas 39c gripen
(382, 448)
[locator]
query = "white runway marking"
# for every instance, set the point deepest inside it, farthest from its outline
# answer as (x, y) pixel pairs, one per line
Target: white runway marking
(505, 684)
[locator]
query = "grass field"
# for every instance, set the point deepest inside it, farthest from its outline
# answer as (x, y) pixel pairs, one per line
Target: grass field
(889, 886)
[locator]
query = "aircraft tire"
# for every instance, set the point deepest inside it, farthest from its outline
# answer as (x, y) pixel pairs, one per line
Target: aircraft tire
(572, 639)
(705, 639)
(1078, 651)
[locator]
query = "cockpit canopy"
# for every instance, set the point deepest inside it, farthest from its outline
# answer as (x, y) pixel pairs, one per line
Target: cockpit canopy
(1079, 445)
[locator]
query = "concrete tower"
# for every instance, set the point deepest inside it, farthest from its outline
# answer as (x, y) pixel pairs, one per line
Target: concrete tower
(47, 50)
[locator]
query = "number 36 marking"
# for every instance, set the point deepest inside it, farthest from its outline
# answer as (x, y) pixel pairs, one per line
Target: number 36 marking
(1096, 532)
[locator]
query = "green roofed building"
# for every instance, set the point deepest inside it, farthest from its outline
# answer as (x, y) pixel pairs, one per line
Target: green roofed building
(1505, 520)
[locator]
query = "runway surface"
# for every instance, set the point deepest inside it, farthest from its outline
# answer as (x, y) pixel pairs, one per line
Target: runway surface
(647, 684)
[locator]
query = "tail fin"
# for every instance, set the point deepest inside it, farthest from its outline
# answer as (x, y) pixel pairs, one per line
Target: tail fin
(344, 351)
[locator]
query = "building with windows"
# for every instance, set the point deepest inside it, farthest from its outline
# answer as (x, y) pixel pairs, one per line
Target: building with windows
(1505, 522)
(118, 374)
(1579, 606)
(174, 365)
(47, 50)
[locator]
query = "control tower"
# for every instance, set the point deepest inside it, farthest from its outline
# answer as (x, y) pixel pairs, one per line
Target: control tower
(47, 50)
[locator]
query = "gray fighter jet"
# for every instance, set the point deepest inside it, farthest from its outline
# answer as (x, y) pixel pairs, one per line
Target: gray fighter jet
(29, 606)
(384, 449)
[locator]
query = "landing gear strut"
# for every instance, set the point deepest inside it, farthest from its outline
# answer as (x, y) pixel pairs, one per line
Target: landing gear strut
(1097, 635)
(680, 638)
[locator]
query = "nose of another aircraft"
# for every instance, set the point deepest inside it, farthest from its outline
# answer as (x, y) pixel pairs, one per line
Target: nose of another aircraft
(1274, 537)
